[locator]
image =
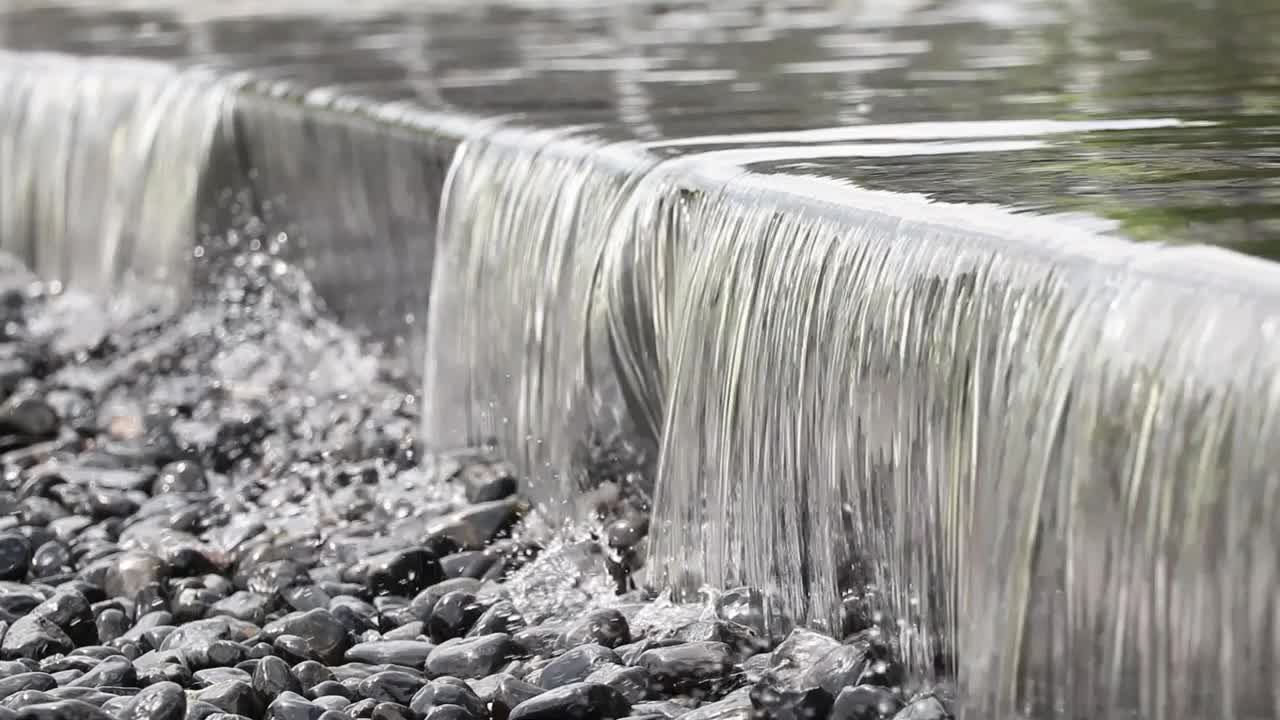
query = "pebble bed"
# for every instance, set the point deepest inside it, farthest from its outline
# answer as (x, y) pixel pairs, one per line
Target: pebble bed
(221, 514)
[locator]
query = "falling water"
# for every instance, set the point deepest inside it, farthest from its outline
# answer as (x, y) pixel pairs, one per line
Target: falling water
(101, 161)
(1047, 451)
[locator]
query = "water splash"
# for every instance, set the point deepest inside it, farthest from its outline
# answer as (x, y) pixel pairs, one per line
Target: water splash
(102, 160)
(1049, 450)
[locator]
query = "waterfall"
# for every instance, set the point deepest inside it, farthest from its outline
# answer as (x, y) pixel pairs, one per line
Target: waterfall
(101, 164)
(1049, 452)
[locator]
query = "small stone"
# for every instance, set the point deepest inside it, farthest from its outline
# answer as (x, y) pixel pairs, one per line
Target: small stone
(925, 708)
(576, 664)
(410, 653)
(34, 637)
(199, 710)
(161, 701)
(233, 696)
(511, 692)
(213, 676)
(578, 701)
(391, 686)
(331, 688)
(661, 708)
(865, 702)
(486, 483)
(453, 616)
(632, 682)
(734, 706)
(501, 617)
(539, 640)
(687, 667)
(625, 533)
(391, 711)
(20, 682)
(209, 630)
(180, 477)
(114, 671)
(800, 651)
(468, 563)
(424, 603)
(311, 673)
(274, 577)
(471, 657)
(306, 597)
(273, 676)
(111, 624)
(51, 558)
(412, 630)
(438, 693)
(450, 712)
(62, 710)
(15, 556)
(243, 605)
(773, 701)
(324, 635)
(31, 418)
(403, 572)
(473, 527)
(606, 627)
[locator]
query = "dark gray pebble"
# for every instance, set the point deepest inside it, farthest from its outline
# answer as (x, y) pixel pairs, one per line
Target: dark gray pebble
(391, 711)
(925, 708)
(453, 615)
(632, 682)
(578, 701)
(501, 617)
(773, 701)
(180, 477)
(575, 665)
(311, 673)
(424, 602)
(539, 640)
(162, 701)
(26, 681)
(411, 630)
(865, 702)
(274, 676)
(331, 688)
(15, 556)
(216, 676)
(243, 605)
(391, 686)
(403, 572)
(233, 696)
(324, 635)
(450, 712)
(471, 657)
(63, 710)
(440, 692)
(687, 667)
(411, 653)
(473, 527)
(606, 627)
(291, 706)
(116, 670)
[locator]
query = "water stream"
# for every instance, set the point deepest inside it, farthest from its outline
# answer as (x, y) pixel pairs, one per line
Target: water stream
(946, 304)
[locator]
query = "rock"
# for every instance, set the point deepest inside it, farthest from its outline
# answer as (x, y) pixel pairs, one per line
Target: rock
(780, 703)
(865, 702)
(30, 418)
(501, 617)
(576, 664)
(450, 712)
(243, 605)
(62, 710)
(801, 650)
(471, 657)
(410, 653)
(439, 693)
(473, 527)
(291, 706)
(486, 483)
(161, 701)
(198, 710)
(274, 577)
(412, 630)
(34, 637)
(885, 672)
(661, 708)
(403, 572)
(209, 630)
(325, 638)
(132, 572)
(391, 686)
(392, 711)
(539, 640)
(113, 671)
(15, 556)
(273, 676)
(840, 668)
(453, 615)
(468, 563)
(233, 696)
(331, 688)
(311, 673)
(209, 677)
(14, 684)
(735, 706)
(578, 701)
(510, 693)
(606, 627)
(632, 682)
(925, 708)
(306, 597)
(51, 558)
(111, 624)
(424, 603)
(180, 477)
(687, 667)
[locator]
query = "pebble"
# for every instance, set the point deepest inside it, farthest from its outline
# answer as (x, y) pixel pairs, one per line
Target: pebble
(273, 676)
(233, 696)
(780, 703)
(161, 701)
(925, 708)
(606, 627)
(471, 657)
(453, 615)
(391, 686)
(403, 572)
(410, 653)
(865, 702)
(15, 556)
(578, 701)
(687, 667)
(439, 692)
(323, 634)
(576, 664)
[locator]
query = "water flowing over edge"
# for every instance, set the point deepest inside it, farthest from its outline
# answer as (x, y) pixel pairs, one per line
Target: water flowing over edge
(1047, 451)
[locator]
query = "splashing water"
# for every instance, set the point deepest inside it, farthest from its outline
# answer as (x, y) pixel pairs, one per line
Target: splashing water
(1051, 450)
(102, 161)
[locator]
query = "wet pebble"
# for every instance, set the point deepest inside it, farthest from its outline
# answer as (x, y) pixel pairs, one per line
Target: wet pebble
(578, 701)
(471, 657)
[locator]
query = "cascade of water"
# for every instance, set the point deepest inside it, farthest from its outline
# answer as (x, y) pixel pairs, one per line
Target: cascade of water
(1048, 451)
(101, 161)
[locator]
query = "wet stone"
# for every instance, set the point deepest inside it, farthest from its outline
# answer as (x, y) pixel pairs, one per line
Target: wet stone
(510, 693)
(773, 701)
(391, 711)
(453, 615)
(450, 712)
(161, 701)
(577, 701)
(632, 682)
(469, 563)
(273, 676)
(111, 623)
(404, 572)
(311, 673)
(324, 635)
(576, 664)
(331, 688)
(840, 668)
(62, 710)
(291, 706)
(485, 483)
(411, 653)
(115, 671)
(233, 696)
(687, 667)
(539, 640)
(391, 686)
(180, 477)
(20, 682)
(34, 637)
(438, 692)
(925, 708)
(424, 602)
(15, 556)
(471, 657)
(606, 627)
(865, 702)
(501, 617)
(215, 676)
